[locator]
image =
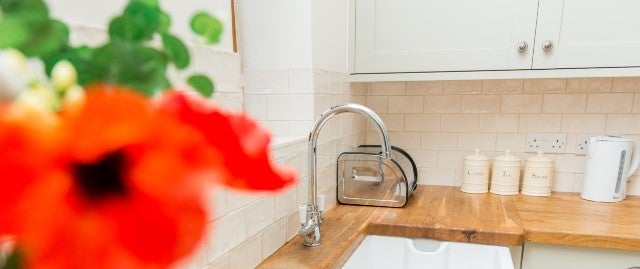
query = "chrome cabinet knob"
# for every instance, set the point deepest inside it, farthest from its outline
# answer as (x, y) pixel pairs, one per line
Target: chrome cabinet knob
(547, 45)
(523, 46)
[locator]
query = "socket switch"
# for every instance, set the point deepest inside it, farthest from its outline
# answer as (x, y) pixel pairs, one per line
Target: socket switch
(547, 142)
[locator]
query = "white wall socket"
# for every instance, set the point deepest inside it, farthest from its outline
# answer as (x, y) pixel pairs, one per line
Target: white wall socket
(547, 142)
(581, 143)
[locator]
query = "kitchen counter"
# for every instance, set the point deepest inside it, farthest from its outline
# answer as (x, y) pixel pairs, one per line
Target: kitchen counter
(447, 214)
(566, 219)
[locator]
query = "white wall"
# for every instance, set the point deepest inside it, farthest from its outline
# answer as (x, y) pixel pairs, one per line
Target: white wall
(97, 14)
(274, 34)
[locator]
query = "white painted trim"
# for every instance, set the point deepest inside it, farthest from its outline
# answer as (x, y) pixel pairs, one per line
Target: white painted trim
(506, 74)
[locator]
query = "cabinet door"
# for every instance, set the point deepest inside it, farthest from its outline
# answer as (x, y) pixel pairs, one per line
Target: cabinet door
(547, 256)
(442, 35)
(588, 33)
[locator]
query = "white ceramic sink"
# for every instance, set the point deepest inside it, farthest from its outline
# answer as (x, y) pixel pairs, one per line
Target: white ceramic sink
(397, 252)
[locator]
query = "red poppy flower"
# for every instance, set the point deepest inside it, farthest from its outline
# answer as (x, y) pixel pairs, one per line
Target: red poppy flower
(117, 182)
(243, 144)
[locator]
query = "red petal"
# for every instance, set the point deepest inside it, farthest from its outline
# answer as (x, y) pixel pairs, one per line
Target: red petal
(109, 119)
(157, 232)
(243, 143)
(28, 148)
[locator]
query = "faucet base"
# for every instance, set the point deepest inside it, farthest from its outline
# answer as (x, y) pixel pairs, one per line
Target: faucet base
(314, 244)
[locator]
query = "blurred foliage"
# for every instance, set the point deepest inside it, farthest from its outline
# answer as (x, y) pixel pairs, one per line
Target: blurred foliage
(128, 58)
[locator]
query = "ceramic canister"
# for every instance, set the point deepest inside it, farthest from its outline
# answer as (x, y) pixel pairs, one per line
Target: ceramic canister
(475, 173)
(538, 175)
(505, 175)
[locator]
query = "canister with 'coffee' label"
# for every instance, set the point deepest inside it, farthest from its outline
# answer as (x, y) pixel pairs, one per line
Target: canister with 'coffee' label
(475, 173)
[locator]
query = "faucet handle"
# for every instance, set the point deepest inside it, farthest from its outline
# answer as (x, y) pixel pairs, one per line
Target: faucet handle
(302, 213)
(321, 203)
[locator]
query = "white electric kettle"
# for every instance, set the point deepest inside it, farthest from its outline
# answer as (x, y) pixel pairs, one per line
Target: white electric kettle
(610, 161)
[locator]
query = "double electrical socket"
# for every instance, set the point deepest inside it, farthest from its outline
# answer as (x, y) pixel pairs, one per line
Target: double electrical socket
(555, 142)
(546, 142)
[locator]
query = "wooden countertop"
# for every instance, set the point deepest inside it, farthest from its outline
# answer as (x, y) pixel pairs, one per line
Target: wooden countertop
(447, 214)
(566, 219)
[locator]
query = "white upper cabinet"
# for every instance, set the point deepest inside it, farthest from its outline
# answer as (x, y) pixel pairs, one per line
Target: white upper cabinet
(587, 33)
(412, 36)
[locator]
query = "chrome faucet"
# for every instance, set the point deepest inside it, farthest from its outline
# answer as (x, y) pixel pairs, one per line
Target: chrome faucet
(311, 214)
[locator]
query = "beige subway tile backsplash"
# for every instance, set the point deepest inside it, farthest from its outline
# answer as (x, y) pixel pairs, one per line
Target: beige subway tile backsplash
(521, 103)
(481, 141)
(388, 88)
(623, 124)
(437, 176)
(580, 85)
(439, 141)
(456, 123)
(636, 103)
(424, 87)
(481, 103)
(442, 103)
(462, 87)
(563, 182)
(583, 123)
(545, 85)
(393, 122)
(451, 158)
(378, 103)
(500, 86)
(626, 84)
(510, 141)
(570, 163)
(499, 123)
(540, 123)
(406, 104)
(564, 103)
(610, 102)
(406, 140)
(422, 122)
(424, 157)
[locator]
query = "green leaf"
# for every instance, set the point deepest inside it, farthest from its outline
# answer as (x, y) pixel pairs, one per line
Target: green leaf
(27, 6)
(165, 23)
(202, 84)
(130, 29)
(176, 51)
(46, 39)
(132, 64)
(12, 33)
(139, 21)
(207, 26)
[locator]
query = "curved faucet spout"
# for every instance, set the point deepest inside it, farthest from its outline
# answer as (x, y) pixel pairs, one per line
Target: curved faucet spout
(314, 215)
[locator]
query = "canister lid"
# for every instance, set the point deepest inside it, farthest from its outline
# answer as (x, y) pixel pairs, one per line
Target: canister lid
(507, 157)
(476, 157)
(539, 159)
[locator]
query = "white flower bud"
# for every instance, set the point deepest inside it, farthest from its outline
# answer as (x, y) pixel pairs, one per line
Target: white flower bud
(14, 74)
(63, 75)
(74, 97)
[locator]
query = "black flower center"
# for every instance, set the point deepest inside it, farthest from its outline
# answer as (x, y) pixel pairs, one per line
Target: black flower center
(102, 178)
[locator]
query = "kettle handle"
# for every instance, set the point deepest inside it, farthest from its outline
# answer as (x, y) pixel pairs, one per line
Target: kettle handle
(635, 159)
